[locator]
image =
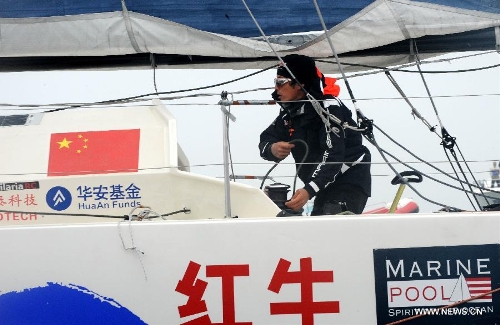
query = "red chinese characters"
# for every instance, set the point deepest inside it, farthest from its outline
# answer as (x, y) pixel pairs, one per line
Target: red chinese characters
(306, 307)
(194, 288)
(16, 200)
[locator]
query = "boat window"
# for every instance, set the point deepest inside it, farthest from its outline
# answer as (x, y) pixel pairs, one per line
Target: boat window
(25, 119)
(13, 120)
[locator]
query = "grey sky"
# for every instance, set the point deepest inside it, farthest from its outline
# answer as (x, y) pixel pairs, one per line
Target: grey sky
(473, 120)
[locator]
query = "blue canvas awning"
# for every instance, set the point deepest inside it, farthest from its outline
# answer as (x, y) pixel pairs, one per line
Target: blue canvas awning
(112, 34)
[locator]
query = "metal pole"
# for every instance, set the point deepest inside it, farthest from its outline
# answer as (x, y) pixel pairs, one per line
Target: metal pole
(226, 116)
(227, 192)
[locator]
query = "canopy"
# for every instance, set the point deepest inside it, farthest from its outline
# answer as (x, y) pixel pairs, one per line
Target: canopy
(58, 34)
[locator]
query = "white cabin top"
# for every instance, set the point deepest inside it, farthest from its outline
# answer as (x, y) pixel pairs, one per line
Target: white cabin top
(108, 161)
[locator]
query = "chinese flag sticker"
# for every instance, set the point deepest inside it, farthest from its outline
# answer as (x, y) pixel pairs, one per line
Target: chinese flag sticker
(94, 152)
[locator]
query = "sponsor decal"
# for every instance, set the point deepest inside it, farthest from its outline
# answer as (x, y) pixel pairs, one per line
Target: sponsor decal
(421, 281)
(104, 196)
(302, 308)
(57, 303)
(17, 216)
(98, 197)
(17, 200)
(19, 186)
(58, 198)
(294, 286)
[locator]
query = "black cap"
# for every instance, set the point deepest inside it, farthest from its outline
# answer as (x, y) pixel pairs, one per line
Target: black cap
(303, 68)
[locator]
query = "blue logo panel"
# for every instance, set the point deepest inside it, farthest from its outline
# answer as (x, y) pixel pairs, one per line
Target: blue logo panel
(438, 285)
(58, 198)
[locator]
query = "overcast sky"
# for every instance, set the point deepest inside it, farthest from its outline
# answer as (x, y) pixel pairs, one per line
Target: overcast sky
(473, 120)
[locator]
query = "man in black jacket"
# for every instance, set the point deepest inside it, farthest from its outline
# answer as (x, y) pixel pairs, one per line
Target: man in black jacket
(331, 159)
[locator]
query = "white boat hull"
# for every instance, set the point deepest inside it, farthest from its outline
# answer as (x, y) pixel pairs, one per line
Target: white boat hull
(371, 269)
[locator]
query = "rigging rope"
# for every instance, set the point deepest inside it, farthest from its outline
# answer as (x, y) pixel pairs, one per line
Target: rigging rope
(144, 97)
(403, 179)
(153, 66)
(433, 129)
(364, 124)
(127, 99)
(123, 217)
(414, 111)
(448, 142)
(40, 107)
(362, 120)
(341, 69)
(316, 105)
(417, 59)
(323, 113)
(427, 163)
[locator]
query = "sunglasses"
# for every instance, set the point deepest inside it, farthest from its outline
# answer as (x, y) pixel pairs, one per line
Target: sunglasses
(278, 82)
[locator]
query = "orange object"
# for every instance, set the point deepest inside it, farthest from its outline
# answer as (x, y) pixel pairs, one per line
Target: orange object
(329, 84)
(330, 87)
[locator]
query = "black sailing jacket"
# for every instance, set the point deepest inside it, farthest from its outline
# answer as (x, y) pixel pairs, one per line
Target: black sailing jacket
(336, 155)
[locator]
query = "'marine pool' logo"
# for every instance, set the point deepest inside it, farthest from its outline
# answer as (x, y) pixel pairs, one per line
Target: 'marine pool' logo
(58, 198)
(423, 280)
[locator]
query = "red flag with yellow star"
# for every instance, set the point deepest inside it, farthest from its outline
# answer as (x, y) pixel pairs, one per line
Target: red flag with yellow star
(94, 152)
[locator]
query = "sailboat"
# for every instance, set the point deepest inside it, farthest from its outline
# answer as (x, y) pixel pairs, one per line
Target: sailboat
(103, 220)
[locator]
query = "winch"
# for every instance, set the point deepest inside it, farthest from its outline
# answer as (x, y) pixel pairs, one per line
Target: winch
(278, 193)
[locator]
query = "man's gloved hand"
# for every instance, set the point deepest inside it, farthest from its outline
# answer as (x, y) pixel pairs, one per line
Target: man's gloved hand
(298, 200)
(281, 149)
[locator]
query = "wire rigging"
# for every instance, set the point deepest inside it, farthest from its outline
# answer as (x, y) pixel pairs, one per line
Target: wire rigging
(153, 66)
(365, 124)
(433, 129)
(323, 113)
(448, 142)
(414, 111)
(441, 172)
(127, 99)
(403, 179)
(145, 97)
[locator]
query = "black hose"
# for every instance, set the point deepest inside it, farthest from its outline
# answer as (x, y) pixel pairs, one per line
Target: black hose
(298, 168)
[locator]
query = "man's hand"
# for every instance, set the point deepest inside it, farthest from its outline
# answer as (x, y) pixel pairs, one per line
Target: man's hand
(298, 200)
(281, 149)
